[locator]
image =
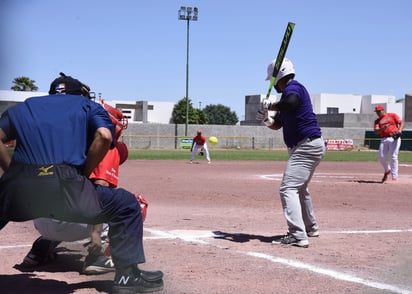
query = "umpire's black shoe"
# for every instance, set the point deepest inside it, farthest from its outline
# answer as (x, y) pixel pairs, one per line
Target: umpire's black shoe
(41, 252)
(132, 280)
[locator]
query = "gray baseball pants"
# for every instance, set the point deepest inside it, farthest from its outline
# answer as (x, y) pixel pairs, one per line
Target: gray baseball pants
(294, 193)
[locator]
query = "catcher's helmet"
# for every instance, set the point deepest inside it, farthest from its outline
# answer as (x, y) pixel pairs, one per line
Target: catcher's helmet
(118, 119)
(68, 85)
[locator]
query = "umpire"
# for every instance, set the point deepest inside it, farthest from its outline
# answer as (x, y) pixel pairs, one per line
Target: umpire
(60, 139)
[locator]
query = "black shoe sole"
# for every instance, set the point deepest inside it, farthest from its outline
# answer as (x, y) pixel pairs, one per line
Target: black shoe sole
(146, 287)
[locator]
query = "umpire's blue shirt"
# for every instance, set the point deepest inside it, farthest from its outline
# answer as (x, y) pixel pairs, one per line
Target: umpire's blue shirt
(54, 128)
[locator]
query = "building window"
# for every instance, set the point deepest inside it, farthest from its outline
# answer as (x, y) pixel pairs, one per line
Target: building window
(127, 113)
(332, 110)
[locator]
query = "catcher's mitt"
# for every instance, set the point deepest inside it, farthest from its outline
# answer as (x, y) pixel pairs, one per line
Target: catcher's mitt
(397, 135)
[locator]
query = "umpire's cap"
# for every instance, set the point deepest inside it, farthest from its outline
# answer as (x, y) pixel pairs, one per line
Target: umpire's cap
(68, 85)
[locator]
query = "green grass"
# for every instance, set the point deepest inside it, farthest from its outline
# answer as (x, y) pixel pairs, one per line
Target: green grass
(277, 155)
(248, 154)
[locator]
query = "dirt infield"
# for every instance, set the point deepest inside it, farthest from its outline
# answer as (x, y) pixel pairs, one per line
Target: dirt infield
(209, 229)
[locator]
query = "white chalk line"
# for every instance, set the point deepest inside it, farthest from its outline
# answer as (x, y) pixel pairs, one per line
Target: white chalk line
(199, 236)
(318, 176)
(330, 273)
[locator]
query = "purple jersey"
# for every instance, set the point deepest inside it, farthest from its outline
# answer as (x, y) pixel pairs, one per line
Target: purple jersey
(300, 122)
(58, 128)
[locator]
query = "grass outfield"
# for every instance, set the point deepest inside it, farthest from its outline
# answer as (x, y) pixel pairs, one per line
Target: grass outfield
(278, 155)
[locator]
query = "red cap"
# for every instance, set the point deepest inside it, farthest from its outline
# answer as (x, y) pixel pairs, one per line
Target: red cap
(379, 108)
(199, 132)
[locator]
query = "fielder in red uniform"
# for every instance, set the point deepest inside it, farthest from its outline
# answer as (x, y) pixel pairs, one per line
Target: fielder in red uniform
(199, 141)
(389, 127)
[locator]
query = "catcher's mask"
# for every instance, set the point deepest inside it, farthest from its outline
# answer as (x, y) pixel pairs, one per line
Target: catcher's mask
(68, 85)
(118, 119)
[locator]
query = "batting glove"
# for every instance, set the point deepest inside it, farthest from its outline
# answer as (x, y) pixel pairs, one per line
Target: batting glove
(268, 121)
(267, 104)
(261, 115)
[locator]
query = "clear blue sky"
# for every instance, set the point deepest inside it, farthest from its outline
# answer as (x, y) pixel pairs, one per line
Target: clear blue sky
(136, 49)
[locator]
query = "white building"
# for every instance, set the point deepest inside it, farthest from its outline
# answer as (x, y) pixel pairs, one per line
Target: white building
(135, 111)
(145, 111)
(332, 104)
(161, 112)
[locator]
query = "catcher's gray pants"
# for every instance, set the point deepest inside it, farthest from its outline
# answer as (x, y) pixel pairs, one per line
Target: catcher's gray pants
(294, 193)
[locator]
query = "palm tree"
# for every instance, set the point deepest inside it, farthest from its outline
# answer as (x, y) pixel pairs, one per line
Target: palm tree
(24, 84)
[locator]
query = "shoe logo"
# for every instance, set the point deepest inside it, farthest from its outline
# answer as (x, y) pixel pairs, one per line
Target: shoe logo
(109, 263)
(44, 171)
(124, 280)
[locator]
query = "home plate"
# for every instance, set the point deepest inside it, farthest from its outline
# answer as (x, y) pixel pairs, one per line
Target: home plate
(186, 235)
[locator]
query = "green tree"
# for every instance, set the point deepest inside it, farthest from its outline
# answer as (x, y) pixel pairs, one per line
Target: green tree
(220, 115)
(196, 116)
(24, 84)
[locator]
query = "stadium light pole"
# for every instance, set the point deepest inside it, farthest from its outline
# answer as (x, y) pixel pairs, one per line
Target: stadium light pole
(187, 14)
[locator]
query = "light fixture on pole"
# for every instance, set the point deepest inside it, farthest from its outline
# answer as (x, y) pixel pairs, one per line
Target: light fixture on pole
(188, 14)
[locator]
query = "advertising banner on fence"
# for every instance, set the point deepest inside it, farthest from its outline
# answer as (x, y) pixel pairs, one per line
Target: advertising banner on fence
(186, 143)
(339, 144)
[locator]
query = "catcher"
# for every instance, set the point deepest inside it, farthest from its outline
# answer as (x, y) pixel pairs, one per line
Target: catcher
(55, 231)
(389, 127)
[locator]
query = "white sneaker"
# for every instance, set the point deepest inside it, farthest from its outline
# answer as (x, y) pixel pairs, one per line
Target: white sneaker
(313, 233)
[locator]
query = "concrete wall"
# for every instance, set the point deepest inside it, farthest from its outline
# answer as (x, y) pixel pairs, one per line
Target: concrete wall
(166, 136)
(162, 136)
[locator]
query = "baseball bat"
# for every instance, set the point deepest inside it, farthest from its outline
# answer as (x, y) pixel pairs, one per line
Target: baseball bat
(281, 55)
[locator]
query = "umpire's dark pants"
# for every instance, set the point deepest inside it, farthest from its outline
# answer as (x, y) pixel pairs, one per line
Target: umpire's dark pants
(61, 192)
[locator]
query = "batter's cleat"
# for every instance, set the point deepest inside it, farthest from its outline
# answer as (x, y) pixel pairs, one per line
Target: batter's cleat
(133, 280)
(41, 252)
(290, 240)
(98, 264)
(313, 233)
(385, 176)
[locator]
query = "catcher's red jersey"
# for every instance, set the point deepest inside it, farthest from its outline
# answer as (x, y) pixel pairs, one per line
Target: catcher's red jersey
(108, 168)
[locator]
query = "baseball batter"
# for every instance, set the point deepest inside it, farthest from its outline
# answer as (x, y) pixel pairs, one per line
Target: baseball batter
(199, 141)
(389, 127)
(303, 138)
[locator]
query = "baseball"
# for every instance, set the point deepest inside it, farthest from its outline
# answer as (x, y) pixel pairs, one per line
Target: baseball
(213, 140)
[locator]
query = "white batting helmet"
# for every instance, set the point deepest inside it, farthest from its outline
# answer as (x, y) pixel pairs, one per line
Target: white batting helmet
(286, 68)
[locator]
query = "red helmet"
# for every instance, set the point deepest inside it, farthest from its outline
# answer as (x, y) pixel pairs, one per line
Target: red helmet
(118, 119)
